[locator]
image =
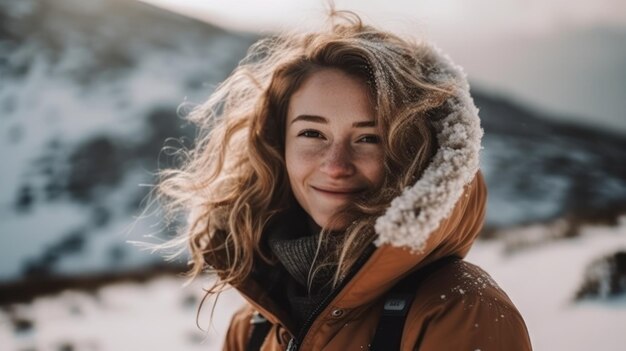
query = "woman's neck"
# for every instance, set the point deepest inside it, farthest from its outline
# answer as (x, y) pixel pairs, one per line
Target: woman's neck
(313, 226)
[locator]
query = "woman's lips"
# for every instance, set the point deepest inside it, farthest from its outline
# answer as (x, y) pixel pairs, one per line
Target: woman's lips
(337, 192)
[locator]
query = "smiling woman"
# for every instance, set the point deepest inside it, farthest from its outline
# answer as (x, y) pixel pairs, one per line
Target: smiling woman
(332, 166)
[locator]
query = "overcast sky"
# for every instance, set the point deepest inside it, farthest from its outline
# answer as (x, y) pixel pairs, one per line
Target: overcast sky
(482, 15)
(565, 57)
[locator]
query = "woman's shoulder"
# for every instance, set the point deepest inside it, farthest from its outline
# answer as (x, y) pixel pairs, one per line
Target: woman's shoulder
(460, 280)
(460, 306)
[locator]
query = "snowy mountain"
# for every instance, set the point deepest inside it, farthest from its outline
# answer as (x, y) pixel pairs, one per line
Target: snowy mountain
(538, 169)
(89, 94)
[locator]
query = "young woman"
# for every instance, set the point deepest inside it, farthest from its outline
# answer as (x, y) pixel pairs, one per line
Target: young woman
(330, 166)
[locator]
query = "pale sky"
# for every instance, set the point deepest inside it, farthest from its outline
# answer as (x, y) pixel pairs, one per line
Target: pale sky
(564, 57)
(483, 15)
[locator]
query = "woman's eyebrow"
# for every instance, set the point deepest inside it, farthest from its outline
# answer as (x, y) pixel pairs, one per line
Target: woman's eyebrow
(320, 119)
(310, 118)
(364, 124)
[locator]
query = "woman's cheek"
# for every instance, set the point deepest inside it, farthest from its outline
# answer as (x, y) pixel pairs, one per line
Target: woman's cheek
(301, 160)
(307, 151)
(371, 165)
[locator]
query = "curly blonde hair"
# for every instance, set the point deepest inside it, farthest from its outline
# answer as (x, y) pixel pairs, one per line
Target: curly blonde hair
(234, 180)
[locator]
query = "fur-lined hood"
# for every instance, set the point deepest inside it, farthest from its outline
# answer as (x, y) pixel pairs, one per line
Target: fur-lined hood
(420, 208)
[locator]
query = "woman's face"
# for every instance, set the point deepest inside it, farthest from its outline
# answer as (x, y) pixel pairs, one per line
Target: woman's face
(332, 144)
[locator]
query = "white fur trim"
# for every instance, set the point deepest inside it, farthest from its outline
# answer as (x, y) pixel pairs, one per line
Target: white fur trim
(418, 211)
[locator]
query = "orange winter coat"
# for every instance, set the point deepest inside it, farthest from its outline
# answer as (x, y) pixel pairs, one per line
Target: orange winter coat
(458, 307)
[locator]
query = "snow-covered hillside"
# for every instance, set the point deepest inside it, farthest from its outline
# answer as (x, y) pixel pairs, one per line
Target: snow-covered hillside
(88, 96)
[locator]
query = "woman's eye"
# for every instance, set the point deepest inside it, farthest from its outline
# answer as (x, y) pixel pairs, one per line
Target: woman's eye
(310, 134)
(370, 139)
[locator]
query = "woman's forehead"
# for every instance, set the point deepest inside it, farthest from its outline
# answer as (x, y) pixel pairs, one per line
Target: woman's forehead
(331, 95)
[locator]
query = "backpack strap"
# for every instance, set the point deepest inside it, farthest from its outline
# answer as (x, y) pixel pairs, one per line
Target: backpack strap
(397, 304)
(260, 327)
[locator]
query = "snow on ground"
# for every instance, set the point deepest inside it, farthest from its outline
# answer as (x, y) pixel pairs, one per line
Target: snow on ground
(161, 314)
(543, 281)
(158, 315)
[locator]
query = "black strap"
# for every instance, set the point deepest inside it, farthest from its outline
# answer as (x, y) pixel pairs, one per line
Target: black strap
(397, 304)
(260, 327)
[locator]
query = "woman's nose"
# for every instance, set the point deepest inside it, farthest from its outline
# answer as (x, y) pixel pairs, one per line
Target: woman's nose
(338, 162)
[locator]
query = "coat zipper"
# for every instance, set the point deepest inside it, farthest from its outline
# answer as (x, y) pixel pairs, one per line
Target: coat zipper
(294, 343)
